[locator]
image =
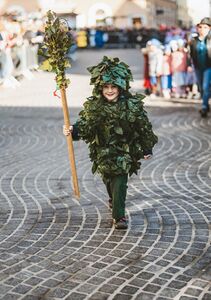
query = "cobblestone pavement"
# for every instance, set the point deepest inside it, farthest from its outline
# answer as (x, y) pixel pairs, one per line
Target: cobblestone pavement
(54, 247)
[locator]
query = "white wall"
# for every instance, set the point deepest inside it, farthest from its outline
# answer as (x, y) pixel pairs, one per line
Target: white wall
(198, 9)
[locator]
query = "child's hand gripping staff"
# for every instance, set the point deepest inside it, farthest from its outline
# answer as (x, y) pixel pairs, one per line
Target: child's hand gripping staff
(57, 41)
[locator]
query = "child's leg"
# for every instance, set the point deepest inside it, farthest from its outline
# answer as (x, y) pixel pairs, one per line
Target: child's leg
(119, 191)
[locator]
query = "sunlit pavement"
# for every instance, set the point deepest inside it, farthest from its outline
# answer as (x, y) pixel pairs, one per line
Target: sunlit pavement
(53, 246)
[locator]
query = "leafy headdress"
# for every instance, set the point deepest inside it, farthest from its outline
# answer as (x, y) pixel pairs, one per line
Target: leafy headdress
(110, 70)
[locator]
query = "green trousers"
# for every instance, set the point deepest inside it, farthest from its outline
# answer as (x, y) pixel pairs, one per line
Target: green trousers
(117, 189)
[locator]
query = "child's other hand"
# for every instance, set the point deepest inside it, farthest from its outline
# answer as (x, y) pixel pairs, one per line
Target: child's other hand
(189, 69)
(148, 156)
(67, 131)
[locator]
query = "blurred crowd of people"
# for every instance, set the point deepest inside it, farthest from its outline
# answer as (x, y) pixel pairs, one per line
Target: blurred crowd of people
(168, 67)
(180, 67)
(110, 37)
(21, 37)
(19, 43)
(171, 64)
(168, 71)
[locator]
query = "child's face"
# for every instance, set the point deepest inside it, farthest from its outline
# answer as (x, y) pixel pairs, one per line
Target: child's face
(110, 92)
(203, 29)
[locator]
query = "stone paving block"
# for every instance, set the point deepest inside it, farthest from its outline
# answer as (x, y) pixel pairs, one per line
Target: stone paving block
(122, 297)
(76, 296)
(87, 288)
(193, 292)
(51, 283)
(115, 268)
(96, 280)
(31, 297)
(10, 297)
(97, 296)
(169, 292)
(187, 298)
(45, 274)
(80, 277)
(33, 281)
(176, 284)
(13, 281)
(4, 289)
(99, 265)
(207, 296)
(40, 291)
(145, 296)
(162, 298)
(21, 289)
(130, 290)
(62, 276)
(152, 288)
(138, 282)
(145, 275)
(57, 293)
(107, 274)
(125, 275)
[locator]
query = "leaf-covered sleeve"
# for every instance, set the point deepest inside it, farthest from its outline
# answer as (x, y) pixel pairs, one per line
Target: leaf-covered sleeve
(88, 122)
(75, 132)
(146, 134)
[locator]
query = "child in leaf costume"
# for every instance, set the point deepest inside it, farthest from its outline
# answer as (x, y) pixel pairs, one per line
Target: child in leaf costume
(116, 128)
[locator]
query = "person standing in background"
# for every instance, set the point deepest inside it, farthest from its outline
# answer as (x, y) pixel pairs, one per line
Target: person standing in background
(200, 52)
(166, 76)
(155, 59)
(179, 68)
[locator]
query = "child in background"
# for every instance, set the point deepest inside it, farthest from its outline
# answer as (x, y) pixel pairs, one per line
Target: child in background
(191, 83)
(166, 77)
(179, 68)
(146, 84)
(115, 125)
(155, 58)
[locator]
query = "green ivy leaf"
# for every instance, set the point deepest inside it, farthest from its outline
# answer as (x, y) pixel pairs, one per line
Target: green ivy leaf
(46, 66)
(118, 130)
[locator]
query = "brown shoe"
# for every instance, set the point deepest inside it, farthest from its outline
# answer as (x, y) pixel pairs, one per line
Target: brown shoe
(121, 223)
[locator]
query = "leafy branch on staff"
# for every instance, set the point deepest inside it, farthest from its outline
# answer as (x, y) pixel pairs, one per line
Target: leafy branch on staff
(57, 41)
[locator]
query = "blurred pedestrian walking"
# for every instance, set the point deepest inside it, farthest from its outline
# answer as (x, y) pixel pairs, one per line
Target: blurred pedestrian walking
(200, 51)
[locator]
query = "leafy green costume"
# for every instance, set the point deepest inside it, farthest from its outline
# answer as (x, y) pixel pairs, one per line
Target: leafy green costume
(119, 134)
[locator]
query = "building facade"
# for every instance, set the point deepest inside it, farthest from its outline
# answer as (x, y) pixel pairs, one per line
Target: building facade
(183, 13)
(127, 13)
(162, 12)
(190, 12)
(120, 13)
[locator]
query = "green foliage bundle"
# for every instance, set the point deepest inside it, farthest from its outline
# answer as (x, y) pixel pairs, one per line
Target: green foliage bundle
(118, 134)
(57, 41)
(110, 70)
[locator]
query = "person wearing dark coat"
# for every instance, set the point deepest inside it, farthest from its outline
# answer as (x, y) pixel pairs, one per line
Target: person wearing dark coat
(200, 52)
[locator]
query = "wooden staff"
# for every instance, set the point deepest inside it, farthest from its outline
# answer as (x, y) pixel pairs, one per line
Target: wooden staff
(70, 144)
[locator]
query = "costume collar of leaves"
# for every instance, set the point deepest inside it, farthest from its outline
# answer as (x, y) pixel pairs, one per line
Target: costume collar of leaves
(110, 70)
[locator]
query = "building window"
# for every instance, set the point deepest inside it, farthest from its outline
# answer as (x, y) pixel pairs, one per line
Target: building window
(137, 23)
